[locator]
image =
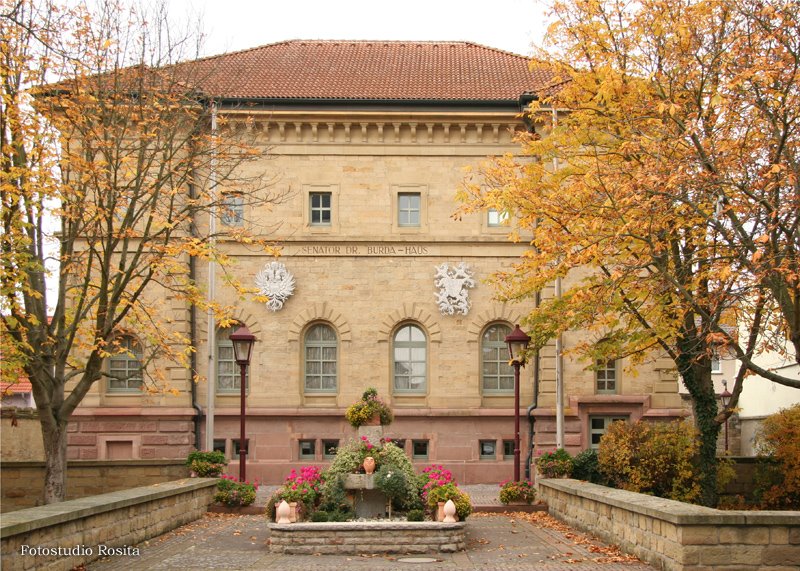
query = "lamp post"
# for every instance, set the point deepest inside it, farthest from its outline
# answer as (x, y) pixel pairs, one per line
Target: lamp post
(517, 342)
(725, 398)
(243, 342)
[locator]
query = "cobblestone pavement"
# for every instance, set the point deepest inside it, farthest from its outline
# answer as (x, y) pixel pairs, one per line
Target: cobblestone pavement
(494, 542)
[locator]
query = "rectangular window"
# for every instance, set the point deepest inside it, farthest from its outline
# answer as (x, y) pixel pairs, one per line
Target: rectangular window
(125, 367)
(235, 443)
(496, 218)
(487, 449)
(232, 210)
(419, 449)
(408, 209)
(329, 449)
(598, 426)
(308, 449)
(508, 449)
(716, 362)
(400, 443)
(219, 445)
(229, 373)
(320, 204)
(606, 375)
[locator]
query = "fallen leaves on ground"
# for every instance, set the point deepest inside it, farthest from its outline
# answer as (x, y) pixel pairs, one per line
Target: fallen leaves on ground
(543, 520)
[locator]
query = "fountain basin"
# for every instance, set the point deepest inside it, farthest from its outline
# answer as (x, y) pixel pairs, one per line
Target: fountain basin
(373, 537)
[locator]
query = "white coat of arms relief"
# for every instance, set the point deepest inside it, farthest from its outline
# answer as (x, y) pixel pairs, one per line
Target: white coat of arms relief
(453, 283)
(276, 283)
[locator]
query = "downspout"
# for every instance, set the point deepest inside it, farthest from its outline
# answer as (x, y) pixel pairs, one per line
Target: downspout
(212, 279)
(559, 340)
(198, 417)
(524, 101)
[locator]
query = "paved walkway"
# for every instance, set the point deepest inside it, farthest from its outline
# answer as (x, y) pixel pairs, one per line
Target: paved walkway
(494, 543)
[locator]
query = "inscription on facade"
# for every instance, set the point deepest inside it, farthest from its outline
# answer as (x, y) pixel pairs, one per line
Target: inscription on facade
(364, 250)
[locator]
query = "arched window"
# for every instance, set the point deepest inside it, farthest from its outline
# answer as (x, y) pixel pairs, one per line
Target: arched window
(229, 374)
(125, 366)
(496, 374)
(320, 359)
(410, 359)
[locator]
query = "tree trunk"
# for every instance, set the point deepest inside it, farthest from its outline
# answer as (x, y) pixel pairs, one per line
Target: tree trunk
(54, 437)
(697, 378)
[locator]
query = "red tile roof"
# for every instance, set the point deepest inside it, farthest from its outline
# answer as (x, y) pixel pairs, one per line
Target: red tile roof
(370, 70)
(13, 388)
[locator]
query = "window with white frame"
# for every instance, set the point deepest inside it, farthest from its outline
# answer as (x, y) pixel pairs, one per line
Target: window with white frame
(598, 425)
(229, 375)
(125, 365)
(716, 362)
(606, 376)
(497, 374)
(409, 205)
(320, 208)
(320, 359)
(410, 359)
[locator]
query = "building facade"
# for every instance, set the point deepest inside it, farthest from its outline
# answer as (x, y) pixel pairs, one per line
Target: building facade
(379, 284)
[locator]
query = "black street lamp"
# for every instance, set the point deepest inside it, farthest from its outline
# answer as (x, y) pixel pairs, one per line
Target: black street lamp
(725, 398)
(517, 342)
(243, 342)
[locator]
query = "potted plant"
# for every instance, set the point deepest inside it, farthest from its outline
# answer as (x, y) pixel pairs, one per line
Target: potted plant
(449, 491)
(521, 492)
(369, 409)
(233, 493)
(555, 464)
(206, 464)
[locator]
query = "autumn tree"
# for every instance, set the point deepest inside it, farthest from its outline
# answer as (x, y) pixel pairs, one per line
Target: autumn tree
(663, 182)
(112, 167)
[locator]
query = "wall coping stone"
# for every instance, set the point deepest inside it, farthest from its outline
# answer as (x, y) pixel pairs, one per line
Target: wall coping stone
(30, 519)
(94, 463)
(366, 526)
(669, 510)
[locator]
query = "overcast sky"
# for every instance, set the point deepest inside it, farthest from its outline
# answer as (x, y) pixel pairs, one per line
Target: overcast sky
(511, 25)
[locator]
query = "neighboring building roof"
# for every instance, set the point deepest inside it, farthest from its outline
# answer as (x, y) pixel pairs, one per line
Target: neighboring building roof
(370, 71)
(14, 388)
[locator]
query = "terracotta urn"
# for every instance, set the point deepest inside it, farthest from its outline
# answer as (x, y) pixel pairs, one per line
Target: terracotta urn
(369, 464)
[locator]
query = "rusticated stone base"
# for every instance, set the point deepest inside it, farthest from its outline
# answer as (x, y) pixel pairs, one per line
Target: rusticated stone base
(366, 537)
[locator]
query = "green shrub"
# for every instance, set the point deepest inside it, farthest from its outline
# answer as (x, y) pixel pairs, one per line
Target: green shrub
(555, 464)
(394, 482)
(523, 491)
(233, 493)
(415, 515)
(340, 516)
(657, 459)
(320, 516)
(206, 464)
(334, 495)
(778, 479)
(586, 466)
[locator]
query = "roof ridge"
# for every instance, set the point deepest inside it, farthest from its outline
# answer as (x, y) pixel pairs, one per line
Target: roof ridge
(374, 41)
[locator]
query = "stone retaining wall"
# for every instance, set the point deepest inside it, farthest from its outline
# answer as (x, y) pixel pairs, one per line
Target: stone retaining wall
(61, 536)
(366, 537)
(23, 482)
(675, 536)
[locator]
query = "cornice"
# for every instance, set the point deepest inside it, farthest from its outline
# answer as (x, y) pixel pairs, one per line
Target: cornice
(371, 127)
